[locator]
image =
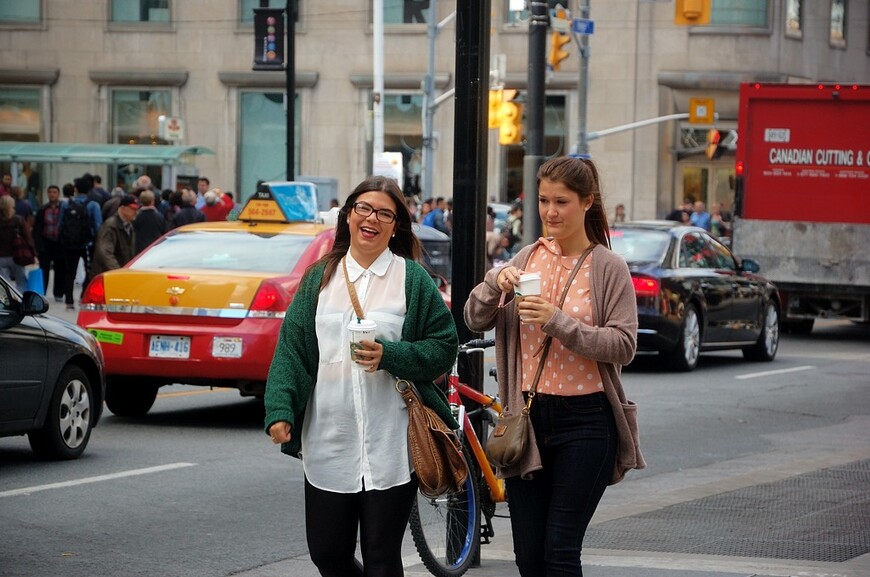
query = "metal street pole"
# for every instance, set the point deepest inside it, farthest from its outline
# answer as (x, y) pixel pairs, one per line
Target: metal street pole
(378, 90)
(469, 167)
(538, 23)
(430, 102)
(582, 146)
(291, 89)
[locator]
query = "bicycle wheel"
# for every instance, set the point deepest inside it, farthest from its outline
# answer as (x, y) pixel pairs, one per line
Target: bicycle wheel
(446, 530)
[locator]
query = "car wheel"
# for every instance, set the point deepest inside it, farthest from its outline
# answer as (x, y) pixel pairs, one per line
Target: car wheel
(768, 341)
(70, 418)
(129, 396)
(685, 356)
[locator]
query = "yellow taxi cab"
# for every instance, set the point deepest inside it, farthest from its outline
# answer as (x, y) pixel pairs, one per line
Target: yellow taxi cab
(204, 303)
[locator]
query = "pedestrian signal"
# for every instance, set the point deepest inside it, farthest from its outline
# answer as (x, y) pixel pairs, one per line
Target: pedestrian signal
(692, 12)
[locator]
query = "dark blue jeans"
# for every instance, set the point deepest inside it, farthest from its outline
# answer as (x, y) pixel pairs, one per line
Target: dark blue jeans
(550, 512)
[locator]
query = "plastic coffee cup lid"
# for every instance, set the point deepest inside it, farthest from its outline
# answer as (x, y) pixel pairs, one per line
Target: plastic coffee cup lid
(363, 325)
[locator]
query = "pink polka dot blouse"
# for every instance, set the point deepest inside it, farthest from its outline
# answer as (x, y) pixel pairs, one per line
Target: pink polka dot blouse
(566, 372)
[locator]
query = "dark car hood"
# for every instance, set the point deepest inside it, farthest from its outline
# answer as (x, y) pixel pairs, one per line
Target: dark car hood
(60, 328)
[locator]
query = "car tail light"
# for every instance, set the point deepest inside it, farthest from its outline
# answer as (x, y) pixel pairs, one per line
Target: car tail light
(645, 286)
(271, 301)
(95, 294)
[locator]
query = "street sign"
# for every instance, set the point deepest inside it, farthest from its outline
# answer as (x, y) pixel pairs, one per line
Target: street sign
(701, 111)
(583, 26)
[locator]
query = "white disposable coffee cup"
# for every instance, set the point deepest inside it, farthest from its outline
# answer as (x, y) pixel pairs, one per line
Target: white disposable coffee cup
(530, 285)
(359, 330)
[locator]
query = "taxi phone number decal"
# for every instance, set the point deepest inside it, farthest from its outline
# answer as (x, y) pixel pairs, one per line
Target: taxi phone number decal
(109, 337)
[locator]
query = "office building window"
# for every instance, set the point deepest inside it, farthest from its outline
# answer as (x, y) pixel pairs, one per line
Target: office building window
(403, 132)
(135, 120)
(740, 13)
(516, 14)
(19, 11)
(246, 8)
(263, 141)
(127, 11)
(20, 114)
(838, 23)
(406, 12)
(793, 15)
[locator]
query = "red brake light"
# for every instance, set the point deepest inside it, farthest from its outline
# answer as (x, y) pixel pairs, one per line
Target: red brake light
(95, 294)
(738, 168)
(271, 298)
(645, 287)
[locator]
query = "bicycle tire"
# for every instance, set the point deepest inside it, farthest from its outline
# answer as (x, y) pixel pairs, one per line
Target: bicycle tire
(446, 530)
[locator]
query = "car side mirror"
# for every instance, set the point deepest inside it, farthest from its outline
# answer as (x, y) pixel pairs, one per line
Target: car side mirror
(33, 304)
(749, 265)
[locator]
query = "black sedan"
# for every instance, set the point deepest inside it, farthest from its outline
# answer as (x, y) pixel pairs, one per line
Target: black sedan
(51, 377)
(694, 295)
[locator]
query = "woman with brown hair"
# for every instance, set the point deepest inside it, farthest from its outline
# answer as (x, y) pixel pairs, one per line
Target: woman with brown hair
(341, 409)
(566, 361)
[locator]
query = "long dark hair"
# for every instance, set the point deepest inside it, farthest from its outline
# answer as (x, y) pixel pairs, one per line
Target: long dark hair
(580, 175)
(404, 243)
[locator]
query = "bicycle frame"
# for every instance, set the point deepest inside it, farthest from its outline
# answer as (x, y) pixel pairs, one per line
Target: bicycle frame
(455, 392)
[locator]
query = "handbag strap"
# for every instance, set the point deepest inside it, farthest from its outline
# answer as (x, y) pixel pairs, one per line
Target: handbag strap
(352, 291)
(545, 347)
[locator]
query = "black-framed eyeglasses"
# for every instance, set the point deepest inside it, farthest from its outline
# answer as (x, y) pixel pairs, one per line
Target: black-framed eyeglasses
(382, 214)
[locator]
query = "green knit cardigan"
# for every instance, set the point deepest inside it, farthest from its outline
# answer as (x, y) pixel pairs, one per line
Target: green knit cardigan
(427, 350)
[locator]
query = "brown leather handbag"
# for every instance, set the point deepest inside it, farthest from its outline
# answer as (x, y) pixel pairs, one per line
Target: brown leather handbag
(434, 448)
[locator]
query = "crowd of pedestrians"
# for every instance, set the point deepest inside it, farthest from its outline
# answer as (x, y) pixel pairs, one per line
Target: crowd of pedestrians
(83, 230)
(717, 222)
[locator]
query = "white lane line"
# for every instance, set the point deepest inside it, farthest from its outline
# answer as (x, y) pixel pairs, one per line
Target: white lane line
(86, 480)
(777, 372)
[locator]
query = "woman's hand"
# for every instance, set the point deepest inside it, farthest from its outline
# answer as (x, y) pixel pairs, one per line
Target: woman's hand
(370, 355)
(508, 278)
(534, 310)
(280, 432)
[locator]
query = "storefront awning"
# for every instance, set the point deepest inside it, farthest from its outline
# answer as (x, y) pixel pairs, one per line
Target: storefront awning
(145, 154)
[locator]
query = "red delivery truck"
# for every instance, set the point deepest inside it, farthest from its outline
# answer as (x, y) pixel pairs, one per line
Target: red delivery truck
(802, 202)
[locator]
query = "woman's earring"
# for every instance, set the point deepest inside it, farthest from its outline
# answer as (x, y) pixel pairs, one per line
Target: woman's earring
(393, 235)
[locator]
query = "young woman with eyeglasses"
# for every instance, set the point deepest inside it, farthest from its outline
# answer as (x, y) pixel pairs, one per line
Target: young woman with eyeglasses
(344, 414)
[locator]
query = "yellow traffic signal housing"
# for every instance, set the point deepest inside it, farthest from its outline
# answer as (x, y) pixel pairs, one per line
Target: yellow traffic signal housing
(510, 129)
(495, 100)
(557, 52)
(692, 12)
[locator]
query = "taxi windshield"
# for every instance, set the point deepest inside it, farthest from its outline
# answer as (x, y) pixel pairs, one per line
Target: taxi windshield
(213, 250)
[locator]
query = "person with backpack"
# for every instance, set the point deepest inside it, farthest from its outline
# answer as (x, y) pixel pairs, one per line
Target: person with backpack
(79, 222)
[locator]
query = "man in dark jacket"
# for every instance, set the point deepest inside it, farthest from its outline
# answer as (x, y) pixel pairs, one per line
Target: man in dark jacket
(149, 224)
(116, 244)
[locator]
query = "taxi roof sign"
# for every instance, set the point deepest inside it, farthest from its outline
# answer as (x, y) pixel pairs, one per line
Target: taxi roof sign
(282, 202)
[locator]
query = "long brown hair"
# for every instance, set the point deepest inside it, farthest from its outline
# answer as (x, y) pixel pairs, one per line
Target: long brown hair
(404, 243)
(580, 175)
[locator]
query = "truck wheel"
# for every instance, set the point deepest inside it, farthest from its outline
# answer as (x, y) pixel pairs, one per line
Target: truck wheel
(798, 326)
(768, 341)
(129, 396)
(685, 356)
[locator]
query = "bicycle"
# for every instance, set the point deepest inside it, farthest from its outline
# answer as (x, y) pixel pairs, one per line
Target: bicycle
(447, 530)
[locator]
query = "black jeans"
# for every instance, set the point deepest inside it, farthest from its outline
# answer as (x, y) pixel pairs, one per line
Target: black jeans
(550, 512)
(53, 253)
(332, 519)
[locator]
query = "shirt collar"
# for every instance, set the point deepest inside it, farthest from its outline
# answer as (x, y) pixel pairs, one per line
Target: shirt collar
(379, 267)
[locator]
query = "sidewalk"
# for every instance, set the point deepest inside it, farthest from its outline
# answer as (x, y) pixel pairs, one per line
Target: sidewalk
(744, 486)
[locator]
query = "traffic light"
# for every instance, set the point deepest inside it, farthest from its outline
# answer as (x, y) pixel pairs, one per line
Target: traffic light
(715, 143)
(692, 12)
(268, 39)
(495, 99)
(510, 125)
(557, 52)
